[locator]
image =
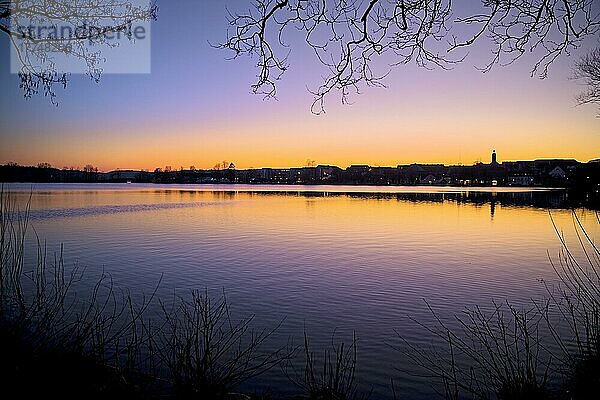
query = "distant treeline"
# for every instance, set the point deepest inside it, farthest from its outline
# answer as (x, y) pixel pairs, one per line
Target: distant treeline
(552, 173)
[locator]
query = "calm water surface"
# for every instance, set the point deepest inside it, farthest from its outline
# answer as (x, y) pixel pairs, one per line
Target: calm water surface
(327, 259)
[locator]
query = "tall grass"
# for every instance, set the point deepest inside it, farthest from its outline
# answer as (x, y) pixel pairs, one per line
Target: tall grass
(206, 351)
(545, 350)
(497, 354)
(196, 348)
(577, 301)
(330, 376)
(43, 315)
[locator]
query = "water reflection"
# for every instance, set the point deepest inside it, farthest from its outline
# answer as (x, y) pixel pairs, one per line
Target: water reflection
(539, 198)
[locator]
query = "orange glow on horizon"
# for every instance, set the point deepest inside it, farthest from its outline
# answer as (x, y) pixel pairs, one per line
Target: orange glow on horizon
(453, 130)
(268, 149)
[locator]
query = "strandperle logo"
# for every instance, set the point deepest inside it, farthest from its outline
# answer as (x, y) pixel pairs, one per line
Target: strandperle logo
(80, 37)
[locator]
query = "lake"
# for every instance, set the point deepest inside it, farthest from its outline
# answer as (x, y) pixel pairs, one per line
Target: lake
(326, 258)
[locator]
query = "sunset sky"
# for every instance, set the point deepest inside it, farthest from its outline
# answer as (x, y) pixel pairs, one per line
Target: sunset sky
(195, 108)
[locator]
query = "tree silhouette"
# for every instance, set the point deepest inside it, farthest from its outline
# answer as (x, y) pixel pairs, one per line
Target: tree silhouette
(87, 22)
(587, 68)
(348, 37)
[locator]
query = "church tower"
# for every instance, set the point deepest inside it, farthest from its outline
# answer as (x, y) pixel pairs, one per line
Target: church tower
(494, 160)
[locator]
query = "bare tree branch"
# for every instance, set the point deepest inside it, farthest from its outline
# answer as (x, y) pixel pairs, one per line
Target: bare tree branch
(36, 29)
(359, 41)
(587, 68)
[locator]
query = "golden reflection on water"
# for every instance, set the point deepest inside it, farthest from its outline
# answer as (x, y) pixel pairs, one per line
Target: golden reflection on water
(444, 223)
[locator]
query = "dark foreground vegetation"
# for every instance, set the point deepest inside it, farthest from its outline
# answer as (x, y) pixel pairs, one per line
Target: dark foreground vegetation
(56, 341)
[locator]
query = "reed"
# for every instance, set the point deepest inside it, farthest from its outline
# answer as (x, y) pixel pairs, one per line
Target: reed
(332, 376)
(51, 327)
(206, 352)
(545, 350)
(576, 300)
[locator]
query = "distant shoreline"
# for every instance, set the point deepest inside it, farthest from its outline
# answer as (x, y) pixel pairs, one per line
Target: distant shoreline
(543, 173)
(420, 187)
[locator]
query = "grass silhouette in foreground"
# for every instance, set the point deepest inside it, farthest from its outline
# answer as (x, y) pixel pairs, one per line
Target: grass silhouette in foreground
(548, 349)
(103, 343)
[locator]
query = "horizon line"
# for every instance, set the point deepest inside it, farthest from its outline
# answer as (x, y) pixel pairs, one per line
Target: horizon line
(8, 163)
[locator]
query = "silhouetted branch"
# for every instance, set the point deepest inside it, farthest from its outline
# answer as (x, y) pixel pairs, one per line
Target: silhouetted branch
(206, 351)
(332, 376)
(497, 354)
(577, 300)
(349, 36)
(35, 29)
(587, 68)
